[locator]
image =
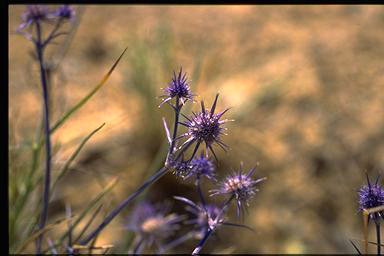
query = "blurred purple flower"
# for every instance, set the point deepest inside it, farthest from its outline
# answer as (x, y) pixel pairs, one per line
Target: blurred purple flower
(371, 196)
(152, 224)
(65, 12)
(241, 186)
(34, 13)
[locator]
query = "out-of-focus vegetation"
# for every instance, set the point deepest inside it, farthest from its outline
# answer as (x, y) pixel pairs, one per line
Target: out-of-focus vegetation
(305, 84)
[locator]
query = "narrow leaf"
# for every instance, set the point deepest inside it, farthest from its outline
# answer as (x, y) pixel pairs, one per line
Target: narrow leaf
(356, 248)
(63, 170)
(87, 97)
(87, 209)
(89, 223)
(90, 206)
(39, 232)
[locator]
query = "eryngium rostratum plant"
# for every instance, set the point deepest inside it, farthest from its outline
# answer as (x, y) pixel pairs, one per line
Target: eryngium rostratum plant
(202, 127)
(33, 18)
(151, 225)
(42, 26)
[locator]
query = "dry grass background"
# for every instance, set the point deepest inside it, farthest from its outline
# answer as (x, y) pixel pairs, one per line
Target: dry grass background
(305, 83)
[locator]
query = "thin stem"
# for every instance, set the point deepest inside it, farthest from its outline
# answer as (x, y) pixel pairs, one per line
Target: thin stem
(177, 114)
(224, 208)
(378, 237)
(137, 247)
(202, 242)
(88, 224)
(69, 214)
(123, 204)
(44, 214)
(181, 152)
(198, 185)
(52, 34)
(176, 242)
(211, 229)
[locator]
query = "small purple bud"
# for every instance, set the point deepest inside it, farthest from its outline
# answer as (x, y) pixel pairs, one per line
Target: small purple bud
(178, 87)
(65, 12)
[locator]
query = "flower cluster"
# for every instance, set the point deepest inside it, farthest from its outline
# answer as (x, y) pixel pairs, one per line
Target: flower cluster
(204, 127)
(36, 14)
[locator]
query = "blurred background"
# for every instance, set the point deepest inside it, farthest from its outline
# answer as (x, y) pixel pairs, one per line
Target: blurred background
(305, 84)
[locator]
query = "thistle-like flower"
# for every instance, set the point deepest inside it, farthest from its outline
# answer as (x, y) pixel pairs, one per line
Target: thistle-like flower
(372, 196)
(152, 224)
(201, 166)
(240, 186)
(178, 87)
(65, 11)
(34, 13)
(206, 127)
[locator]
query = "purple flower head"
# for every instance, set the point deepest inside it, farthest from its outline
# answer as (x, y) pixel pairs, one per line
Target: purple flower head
(152, 223)
(206, 127)
(181, 168)
(34, 13)
(241, 186)
(202, 166)
(65, 12)
(371, 196)
(178, 87)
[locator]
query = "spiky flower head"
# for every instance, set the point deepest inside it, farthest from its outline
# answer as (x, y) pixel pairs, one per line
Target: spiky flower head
(201, 166)
(206, 127)
(181, 168)
(241, 186)
(34, 13)
(152, 223)
(370, 196)
(178, 87)
(65, 11)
